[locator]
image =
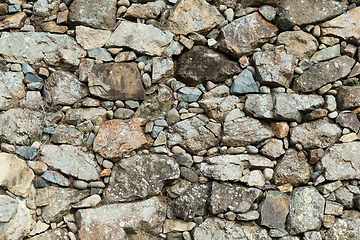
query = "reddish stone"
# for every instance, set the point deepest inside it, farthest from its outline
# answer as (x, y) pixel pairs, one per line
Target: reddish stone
(275, 209)
(350, 50)
(13, 21)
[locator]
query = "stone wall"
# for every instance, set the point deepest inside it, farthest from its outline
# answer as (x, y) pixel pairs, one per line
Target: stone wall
(184, 119)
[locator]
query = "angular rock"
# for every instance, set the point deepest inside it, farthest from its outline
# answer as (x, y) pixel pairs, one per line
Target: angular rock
(316, 134)
(245, 131)
(201, 64)
(193, 16)
(346, 227)
(145, 11)
(118, 137)
(55, 177)
(281, 106)
(219, 108)
(12, 89)
(244, 83)
(100, 54)
(151, 171)
(91, 201)
(90, 38)
(33, 101)
(162, 69)
(123, 84)
(342, 162)
(348, 97)
(273, 149)
(348, 120)
(21, 126)
(141, 38)
(293, 12)
(53, 27)
(275, 209)
(306, 210)
(54, 234)
(177, 225)
(327, 53)
(332, 71)
(281, 129)
(44, 10)
(298, 43)
(32, 47)
(236, 40)
(316, 114)
(92, 13)
(67, 135)
(70, 160)
(8, 207)
(254, 178)
(13, 21)
(189, 94)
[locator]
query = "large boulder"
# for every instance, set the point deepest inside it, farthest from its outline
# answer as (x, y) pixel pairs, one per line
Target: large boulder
(12, 89)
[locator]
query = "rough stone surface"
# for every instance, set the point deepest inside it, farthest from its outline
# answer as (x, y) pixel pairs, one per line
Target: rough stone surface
(273, 149)
(346, 227)
(55, 234)
(90, 38)
(95, 115)
(67, 135)
(275, 209)
(348, 97)
(12, 89)
(145, 11)
(244, 83)
(348, 120)
(219, 108)
(298, 43)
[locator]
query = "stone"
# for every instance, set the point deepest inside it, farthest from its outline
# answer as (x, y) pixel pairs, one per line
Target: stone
(124, 113)
(348, 97)
(85, 68)
(109, 221)
(116, 86)
(37, 167)
(148, 179)
(293, 13)
(244, 83)
(201, 64)
(245, 131)
(55, 49)
(125, 56)
(189, 174)
(316, 155)
(53, 27)
(236, 40)
(306, 210)
(281, 106)
(280, 129)
(248, 216)
(275, 68)
(44, 11)
(348, 120)
(273, 148)
(13, 21)
(345, 196)
(333, 208)
(316, 114)
(298, 43)
(193, 16)
(177, 225)
(355, 71)
(91, 201)
(12, 89)
(70, 160)
(33, 101)
(327, 53)
(219, 108)
(93, 14)
(174, 48)
(131, 35)
(234, 114)
(39, 228)
(316, 134)
(329, 187)
(145, 11)
(95, 115)
(332, 70)
(237, 199)
(56, 234)
(100, 54)
(21, 126)
(55, 177)
(275, 209)
(183, 159)
(254, 178)
(268, 12)
(346, 227)
(79, 184)
(162, 69)
(67, 135)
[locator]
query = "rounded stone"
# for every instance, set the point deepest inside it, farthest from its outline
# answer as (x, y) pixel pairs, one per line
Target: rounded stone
(229, 14)
(107, 164)
(78, 184)
(141, 66)
(252, 149)
(268, 174)
(333, 115)
(264, 89)
(298, 70)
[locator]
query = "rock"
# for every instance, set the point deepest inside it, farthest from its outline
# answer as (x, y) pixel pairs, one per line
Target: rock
(201, 64)
(70, 160)
(292, 168)
(55, 234)
(33, 101)
(39, 228)
(177, 225)
(56, 178)
(145, 11)
(95, 115)
(275, 209)
(219, 108)
(244, 83)
(222, 229)
(348, 120)
(189, 174)
(44, 11)
(329, 187)
(298, 43)
(332, 71)
(13, 21)
(342, 162)
(333, 208)
(79, 184)
(245, 131)
(162, 69)
(37, 167)
(189, 94)
(12, 89)
(125, 56)
(315, 134)
(93, 14)
(346, 227)
(280, 129)
(91, 201)
(292, 13)
(56, 202)
(348, 97)
(124, 113)
(236, 199)
(21, 126)
(56, 50)
(53, 27)
(131, 35)
(116, 86)
(254, 178)
(346, 197)
(327, 53)
(273, 149)
(100, 54)
(193, 16)
(151, 171)
(281, 106)
(236, 40)
(316, 114)
(306, 210)
(118, 137)
(346, 26)
(248, 216)
(192, 135)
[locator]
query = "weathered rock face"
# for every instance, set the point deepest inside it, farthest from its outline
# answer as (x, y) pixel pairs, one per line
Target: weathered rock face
(67, 135)
(298, 43)
(148, 179)
(236, 40)
(348, 97)
(95, 115)
(145, 11)
(202, 64)
(275, 209)
(116, 81)
(54, 49)
(90, 38)
(193, 16)
(331, 71)
(346, 227)
(12, 89)
(219, 108)
(293, 13)
(44, 10)
(93, 13)
(118, 137)
(55, 234)
(244, 83)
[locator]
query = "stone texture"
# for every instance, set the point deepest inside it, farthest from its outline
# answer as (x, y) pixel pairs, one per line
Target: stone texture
(316, 134)
(32, 47)
(281, 129)
(273, 149)
(13, 21)
(12, 89)
(348, 97)
(177, 225)
(95, 115)
(92, 13)
(151, 171)
(145, 11)
(326, 53)
(70, 160)
(54, 234)
(244, 34)
(162, 69)
(281, 106)
(346, 227)
(193, 16)
(219, 108)
(44, 10)
(298, 43)
(90, 38)
(275, 209)
(123, 84)
(332, 71)
(67, 135)
(244, 83)
(118, 137)
(8, 207)
(55, 177)
(141, 38)
(348, 120)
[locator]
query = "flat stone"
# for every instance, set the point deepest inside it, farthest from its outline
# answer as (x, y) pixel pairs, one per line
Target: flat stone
(328, 188)
(12, 89)
(333, 208)
(254, 178)
(8, 208)
(236, 40)
(244, 83)
(26, 152)
(145, 11)
(37, 167)
(55, 177)
(275, 209)
(219, 108)
(13, 21)
(346, 227)
(55, 234)
(91, 201)
(248, 216)
(177, 225)
(151, 171)
(39, 228)
(33, 100)
(281, 129)
(90, 38)
(118, 137)
(162, 69)
(298, 43)
(348, 120)
(273, 149)
(332, 71)
(116, 86)
(327, 53)
(71, 160)
(348, 97)
(52, 27)
(100, 54)
(123, 113)
(316, 114)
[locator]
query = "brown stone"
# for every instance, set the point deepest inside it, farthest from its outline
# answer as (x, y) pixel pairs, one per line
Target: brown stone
(280, 129)
(105, 173)
(13, 21)
(348, 120)
(118, 137)
(116, 81)
(62, 17)
(348, 97)
(53, 27)
(3, 9)
(257, 3)
(355, 71)
(316, 155)
(90, 38)
(286, 188)
(273, 148)
(274, 210)
(145, 11)
(350, 50)
(316, 114)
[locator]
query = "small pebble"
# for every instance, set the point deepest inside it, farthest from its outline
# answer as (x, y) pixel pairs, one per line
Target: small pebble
(298, 71)
(265, 89)
(252, 149)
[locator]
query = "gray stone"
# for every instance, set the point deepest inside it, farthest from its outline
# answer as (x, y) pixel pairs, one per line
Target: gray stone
(244, 83)
(145, 11)
(348, 97)
(26, 152)
(274, 209)
(79, 184)
(37, 167)
(327, 54)
(345, 197)
(346, 227)
(95, 115)
(124, 113)
(67, 135)
(219, 108)
(273, 148)
(56, 177)
(348, 120)
(312, 235)
(268, 12)
(91, 201)
(33, 100)
(55, 234)
(298, 43)
(100, 54)
(189, 174)
(189, 94)
(44, 11)
(8, 208)
(183, 159)
(12, 89)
